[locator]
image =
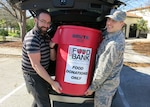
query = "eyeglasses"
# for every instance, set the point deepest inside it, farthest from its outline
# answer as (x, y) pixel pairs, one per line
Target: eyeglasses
(44, 22)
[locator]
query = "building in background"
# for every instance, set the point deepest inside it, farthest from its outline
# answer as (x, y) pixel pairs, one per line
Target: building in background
(138, 13)
(131, 23)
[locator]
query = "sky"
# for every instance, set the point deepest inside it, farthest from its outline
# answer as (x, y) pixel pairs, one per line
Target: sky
(132, 4)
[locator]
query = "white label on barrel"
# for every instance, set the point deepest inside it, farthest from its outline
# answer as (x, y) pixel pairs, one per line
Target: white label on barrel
(77, 65)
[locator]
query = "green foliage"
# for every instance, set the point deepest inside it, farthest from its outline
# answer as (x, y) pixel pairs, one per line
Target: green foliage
(2, 21)
(30, 24)
(13, 34)
(3, 32)
(142, 25)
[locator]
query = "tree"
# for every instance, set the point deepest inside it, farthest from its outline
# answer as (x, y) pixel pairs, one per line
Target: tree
(17, 13)
(2, 31)
(30, 24)
(2, 22)
(142, 26)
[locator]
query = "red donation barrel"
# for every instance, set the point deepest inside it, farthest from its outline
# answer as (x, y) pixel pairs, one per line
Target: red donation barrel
(77, 47)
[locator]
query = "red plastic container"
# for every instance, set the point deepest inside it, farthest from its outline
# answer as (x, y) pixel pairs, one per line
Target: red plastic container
(77, 47)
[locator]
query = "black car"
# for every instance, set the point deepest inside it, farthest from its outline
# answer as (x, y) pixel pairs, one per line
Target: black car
(88, 13)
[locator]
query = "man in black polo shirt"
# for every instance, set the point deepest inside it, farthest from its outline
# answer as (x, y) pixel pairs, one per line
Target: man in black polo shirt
(36, 52)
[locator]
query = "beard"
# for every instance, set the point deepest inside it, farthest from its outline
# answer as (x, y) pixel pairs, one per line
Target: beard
(42, 29)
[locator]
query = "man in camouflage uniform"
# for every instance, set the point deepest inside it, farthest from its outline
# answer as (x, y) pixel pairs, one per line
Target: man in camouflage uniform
(109, 61)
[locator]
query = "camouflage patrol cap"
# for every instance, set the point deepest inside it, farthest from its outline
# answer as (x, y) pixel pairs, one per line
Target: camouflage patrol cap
(118, 15)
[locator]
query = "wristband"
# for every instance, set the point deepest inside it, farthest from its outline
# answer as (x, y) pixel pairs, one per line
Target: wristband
(52, 48)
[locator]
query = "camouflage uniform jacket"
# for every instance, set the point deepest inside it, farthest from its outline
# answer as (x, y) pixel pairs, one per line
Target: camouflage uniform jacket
(109, 62)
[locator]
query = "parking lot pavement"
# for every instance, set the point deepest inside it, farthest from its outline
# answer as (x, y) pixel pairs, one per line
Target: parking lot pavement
(10, 51)
(134, 90)
(20, 98)
(13, 92)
